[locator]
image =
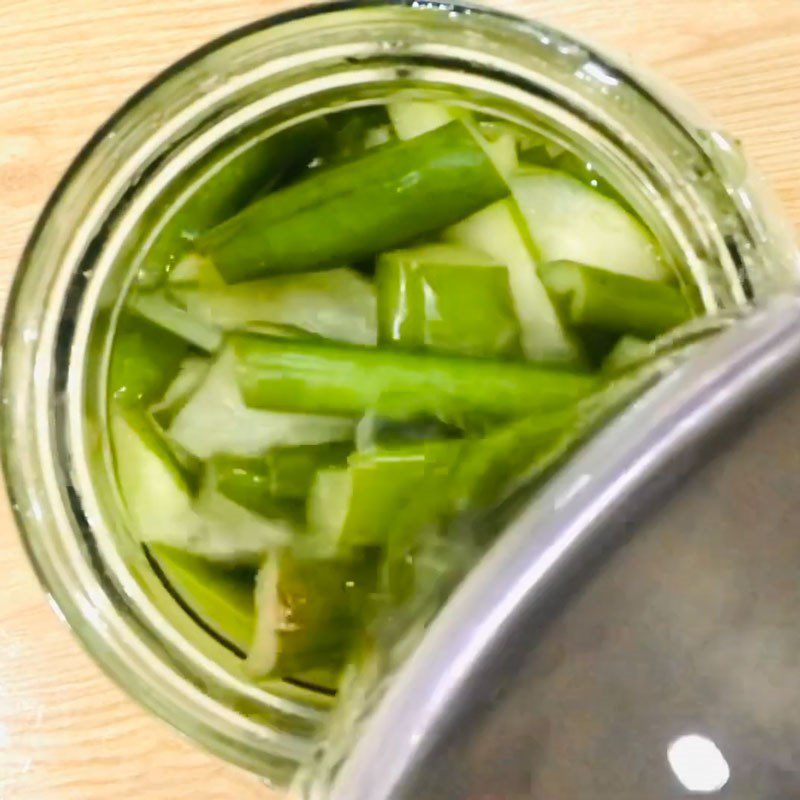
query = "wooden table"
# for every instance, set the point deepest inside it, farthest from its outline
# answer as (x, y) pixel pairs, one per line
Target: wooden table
(66, 732)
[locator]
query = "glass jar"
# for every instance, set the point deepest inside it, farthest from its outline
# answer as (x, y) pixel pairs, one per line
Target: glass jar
(688, 181)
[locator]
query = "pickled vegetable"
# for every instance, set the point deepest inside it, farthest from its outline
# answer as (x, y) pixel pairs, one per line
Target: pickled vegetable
(349, 344)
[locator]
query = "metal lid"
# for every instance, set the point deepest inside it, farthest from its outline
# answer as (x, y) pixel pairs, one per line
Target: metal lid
(660, 665)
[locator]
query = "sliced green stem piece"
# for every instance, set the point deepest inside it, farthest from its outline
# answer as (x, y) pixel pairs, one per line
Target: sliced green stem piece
(309, 613)
(344, 214)
(350, 381)
(495, 462)
(248, 482)
(144, 360)
(356, 506)
(291, 470)
(477, 476)
(447, 299)
(602, 300)
(501, 231)
(221, 185)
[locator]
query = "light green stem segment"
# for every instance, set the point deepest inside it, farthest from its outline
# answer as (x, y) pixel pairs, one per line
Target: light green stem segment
(482, 473)
(491, 465)
(275, 485)
(447, 299)
(292, 470)
(309, 612)
(220, 186)
(144, 360)
(389, 196)
(357, 506)
(602, 300)
(311, 377)
(501, 231)
(387, 495)
(247, 481)
(222, 597)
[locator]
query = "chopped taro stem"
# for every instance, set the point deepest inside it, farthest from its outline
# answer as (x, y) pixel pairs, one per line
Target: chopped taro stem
(143, 361)
(356, 506)
(221, 186)
(221, 596)
(308, 612)
(292, 470)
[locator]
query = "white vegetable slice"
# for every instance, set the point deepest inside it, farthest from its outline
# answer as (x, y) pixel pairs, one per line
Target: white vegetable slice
(155, 493)
(328, 506)
(412, 118)
(263, 651)
(503, 152)
(500, 231)
(190, 375)
(568, 220)
(375, 137)
(215, 420)
(162, 509)
(158, 309)
(337, 304)
(227, 531)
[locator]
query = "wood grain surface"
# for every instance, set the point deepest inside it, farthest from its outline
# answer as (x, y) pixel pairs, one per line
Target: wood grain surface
(66, 732)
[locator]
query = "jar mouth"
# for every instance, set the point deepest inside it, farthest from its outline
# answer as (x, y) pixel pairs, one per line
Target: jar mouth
(279, 70)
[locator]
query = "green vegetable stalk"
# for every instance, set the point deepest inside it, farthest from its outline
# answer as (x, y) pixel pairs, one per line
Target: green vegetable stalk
(309, 612)
(356, 506)
(144, 360)
(601, 300)
(320, 378)
(221, 185)
(292, 470)
(248, 482)
(447, 299)
(347, 213)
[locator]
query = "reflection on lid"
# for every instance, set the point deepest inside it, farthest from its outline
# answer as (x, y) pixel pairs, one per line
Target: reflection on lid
(698, 764)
